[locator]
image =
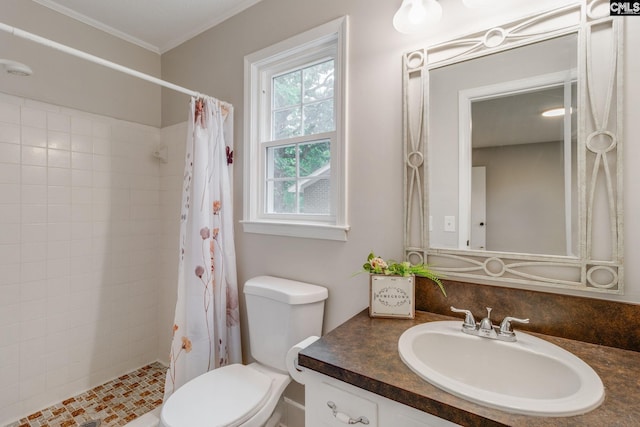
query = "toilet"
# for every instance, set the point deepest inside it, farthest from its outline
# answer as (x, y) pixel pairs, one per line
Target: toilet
(280, 314)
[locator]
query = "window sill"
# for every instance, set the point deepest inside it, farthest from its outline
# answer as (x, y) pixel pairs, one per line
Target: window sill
(292, 229)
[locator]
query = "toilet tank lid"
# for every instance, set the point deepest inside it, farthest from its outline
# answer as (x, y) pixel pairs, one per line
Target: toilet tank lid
(285, 290)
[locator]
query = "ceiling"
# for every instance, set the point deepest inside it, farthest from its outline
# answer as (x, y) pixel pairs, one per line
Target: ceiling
(517, 119)
(156, 25)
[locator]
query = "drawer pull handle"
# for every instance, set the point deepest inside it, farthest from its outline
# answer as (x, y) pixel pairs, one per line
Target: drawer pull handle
(344, 418)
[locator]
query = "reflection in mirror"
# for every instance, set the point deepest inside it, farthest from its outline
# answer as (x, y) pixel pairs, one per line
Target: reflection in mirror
(523, 180)
(553, 211)
(513, 170)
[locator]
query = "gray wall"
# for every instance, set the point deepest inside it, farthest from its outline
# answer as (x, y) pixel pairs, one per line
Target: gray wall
(525, 197)
(213, 63)
(67, 81)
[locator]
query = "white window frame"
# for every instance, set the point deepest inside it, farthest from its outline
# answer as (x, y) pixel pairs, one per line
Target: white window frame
(320, 43)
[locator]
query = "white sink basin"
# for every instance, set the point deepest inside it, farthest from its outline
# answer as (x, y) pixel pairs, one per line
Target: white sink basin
(530, 376)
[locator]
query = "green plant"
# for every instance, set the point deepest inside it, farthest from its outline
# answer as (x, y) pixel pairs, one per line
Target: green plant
(377, 265)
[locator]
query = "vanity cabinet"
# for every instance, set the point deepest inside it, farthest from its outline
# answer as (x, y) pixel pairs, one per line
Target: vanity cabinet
(333, 403)
(362, 355)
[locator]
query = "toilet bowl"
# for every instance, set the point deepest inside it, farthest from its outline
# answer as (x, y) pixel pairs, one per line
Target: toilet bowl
(280, 314)
(235, 395)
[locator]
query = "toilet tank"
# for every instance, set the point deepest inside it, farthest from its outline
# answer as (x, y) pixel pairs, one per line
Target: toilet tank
(281, 313)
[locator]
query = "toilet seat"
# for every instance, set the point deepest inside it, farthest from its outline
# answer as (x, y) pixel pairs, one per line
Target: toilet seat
(227, 396)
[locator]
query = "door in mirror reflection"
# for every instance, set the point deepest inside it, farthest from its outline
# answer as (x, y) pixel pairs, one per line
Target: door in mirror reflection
(478, 229)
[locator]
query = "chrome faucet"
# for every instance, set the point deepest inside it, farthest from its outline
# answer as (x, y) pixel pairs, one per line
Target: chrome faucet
(486, 329)
(505, 330)
(469, 320)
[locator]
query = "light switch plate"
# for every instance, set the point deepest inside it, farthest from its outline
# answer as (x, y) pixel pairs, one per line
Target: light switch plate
(450, 223)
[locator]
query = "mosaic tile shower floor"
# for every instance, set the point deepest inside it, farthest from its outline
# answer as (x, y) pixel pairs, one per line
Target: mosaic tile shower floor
(115, 403)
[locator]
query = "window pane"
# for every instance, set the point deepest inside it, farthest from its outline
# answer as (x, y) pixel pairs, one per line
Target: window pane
(314, 196)
(318, 82)
(281, 196)
(318, 117)
(315, 158)
(281, 162)
(286, 90)
(287, 123)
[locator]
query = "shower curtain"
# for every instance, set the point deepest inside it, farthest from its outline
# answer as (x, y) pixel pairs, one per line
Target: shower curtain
(206, 329)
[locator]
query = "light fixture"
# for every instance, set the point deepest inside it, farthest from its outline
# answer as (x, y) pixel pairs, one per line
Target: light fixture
(414, 15)
(15, 68)
(556, 112)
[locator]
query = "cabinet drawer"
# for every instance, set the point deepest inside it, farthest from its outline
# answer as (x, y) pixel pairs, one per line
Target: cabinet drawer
(332, 406)
(400, 415)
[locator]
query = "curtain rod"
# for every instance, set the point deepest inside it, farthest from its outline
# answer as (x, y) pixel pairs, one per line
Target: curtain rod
(96, 59)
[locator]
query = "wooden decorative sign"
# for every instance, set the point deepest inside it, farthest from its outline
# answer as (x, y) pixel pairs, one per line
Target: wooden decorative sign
(392, 296)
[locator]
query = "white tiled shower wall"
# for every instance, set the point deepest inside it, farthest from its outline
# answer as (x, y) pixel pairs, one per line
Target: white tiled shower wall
(81, 220)
(171, 180)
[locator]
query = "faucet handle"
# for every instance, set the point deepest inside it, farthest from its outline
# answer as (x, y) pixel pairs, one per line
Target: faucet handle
(469, 320)
(505, 325)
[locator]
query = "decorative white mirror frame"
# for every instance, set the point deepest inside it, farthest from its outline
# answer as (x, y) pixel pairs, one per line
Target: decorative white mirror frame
(599, 265)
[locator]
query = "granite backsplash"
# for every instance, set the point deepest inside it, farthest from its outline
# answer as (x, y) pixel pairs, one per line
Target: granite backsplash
(597, 321)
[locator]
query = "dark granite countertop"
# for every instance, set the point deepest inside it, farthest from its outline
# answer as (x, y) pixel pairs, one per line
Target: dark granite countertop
(364, 352)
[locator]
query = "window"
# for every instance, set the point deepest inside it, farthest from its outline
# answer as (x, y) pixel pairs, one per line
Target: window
(294, 171)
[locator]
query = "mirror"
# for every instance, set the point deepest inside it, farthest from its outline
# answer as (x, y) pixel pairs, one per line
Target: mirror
(513, 184)
(495, 192)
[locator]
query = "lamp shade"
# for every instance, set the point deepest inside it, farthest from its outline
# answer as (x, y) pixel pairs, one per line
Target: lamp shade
(415, 15)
